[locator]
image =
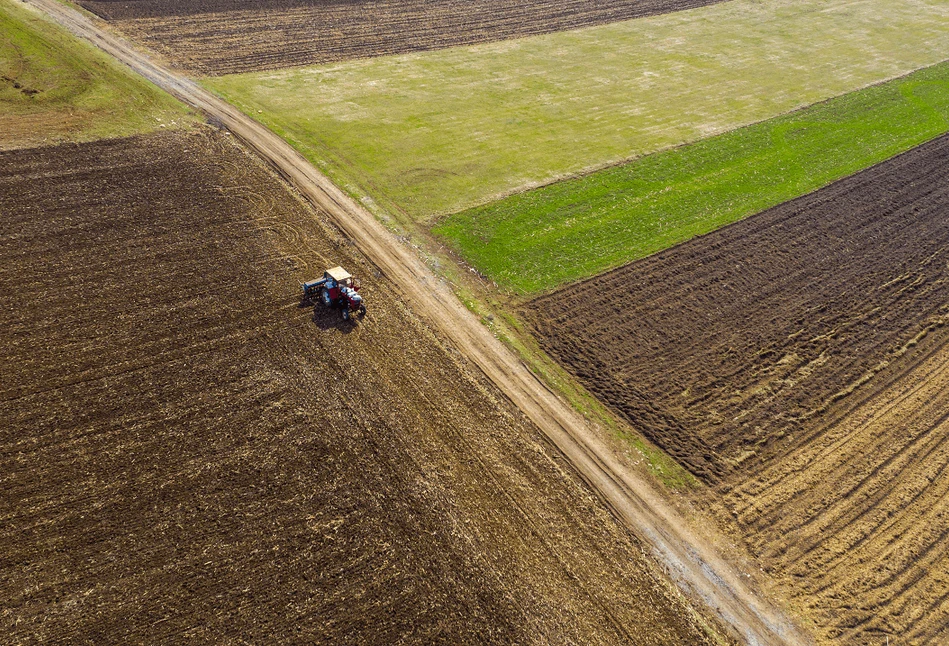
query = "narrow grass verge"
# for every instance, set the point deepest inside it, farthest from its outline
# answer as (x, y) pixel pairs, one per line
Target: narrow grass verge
(507, 328)
(538, 240)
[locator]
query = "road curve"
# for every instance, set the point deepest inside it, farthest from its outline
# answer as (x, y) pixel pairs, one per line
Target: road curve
(692, 561)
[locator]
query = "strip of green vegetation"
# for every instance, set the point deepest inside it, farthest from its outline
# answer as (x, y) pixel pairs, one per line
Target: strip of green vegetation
(433, 133)
(540, 239)
(510, 331)
(55, 88)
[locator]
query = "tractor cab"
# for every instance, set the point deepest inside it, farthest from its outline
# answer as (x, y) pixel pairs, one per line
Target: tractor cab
(336, 279)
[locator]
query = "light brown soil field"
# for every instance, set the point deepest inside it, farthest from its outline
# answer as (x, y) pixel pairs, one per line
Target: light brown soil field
(227, 36)
(188, 452)
(855, 523)
(799, 360)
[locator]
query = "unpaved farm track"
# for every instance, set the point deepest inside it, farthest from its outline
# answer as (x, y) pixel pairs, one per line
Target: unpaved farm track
(691, 560)
(187, 453)
(799, 359)
(227, 36)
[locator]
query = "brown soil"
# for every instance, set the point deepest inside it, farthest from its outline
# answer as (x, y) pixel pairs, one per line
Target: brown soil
(689, 556)
(855, 522)
(189, 452)
(227, 36)
(797, 359)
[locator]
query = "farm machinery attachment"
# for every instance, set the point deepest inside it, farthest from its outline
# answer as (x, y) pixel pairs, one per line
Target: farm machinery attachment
(337, 288)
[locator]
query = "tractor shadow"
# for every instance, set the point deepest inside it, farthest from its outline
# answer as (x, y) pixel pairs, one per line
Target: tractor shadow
(329, 318)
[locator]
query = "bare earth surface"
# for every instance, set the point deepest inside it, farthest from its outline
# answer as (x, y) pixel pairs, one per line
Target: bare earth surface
(186, 451)
(855, 522)
(798, 359)
(227, 36)
(691, 558)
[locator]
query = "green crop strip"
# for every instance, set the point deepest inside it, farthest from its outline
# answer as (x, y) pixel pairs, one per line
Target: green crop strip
(419, 136)
(535, 241)
(55, 88)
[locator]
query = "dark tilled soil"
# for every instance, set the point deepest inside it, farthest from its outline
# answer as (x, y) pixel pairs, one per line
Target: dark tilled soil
(227, 36)
(800, 359)
(725, 349)
(187, 451)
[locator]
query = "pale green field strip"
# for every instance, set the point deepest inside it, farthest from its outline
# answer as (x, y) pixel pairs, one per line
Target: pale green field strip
(55, 88)
(534, 241)
(433, 133)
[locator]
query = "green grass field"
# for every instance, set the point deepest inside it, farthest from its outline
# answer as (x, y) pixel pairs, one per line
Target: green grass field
(427, 134)
(534, 241)
(54, 88)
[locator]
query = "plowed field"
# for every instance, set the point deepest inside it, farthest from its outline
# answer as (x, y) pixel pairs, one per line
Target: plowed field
(855, 521)
(798, 359)
(227, 36)
(187, 452)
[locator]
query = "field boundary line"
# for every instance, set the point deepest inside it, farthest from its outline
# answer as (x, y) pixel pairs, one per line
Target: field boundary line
(693, 563)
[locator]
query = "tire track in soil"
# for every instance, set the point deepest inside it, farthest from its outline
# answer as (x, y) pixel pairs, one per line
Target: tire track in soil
(184, 453)
(692, 562)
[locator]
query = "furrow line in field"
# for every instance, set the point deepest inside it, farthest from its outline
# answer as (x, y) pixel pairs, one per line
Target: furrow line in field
(695, 563)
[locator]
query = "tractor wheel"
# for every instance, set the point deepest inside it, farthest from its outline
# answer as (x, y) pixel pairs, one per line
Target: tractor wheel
(325, 297)
(346, 313)
(362, 310)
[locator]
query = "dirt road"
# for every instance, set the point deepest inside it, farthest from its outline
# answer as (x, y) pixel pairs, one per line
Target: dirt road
(820, 421)
(188, 449)
(827, 288)
(692, 562)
